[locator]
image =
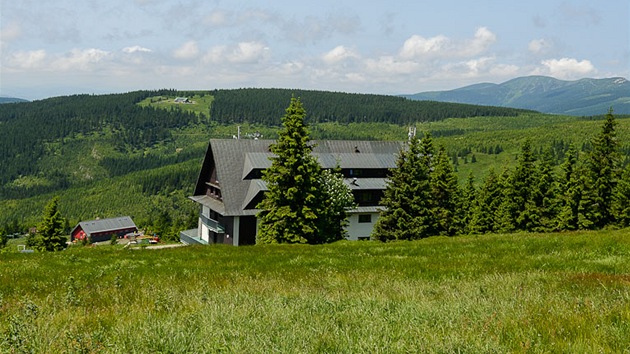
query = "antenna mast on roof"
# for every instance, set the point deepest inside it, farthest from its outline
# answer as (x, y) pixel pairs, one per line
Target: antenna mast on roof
(412, 132)
(238, 133)
(254, 136)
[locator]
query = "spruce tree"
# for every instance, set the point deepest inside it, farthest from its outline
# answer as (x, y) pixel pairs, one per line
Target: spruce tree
(427, 151)
(621, 199)
(428, 158)
(570, 187)
(546, 193)
(407, 198)
(469, 198)
(445, 196)
(50, 230)
(485, 209)
(289, 211)
(507, 209)
(603, 172)
(525, 190)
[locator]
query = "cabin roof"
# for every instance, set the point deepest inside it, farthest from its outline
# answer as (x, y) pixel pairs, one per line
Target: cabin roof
(105, 225)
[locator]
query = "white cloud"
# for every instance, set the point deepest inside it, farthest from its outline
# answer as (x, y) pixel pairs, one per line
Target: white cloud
(27, 59)
(477, 68)
(388, 65)
(488, 66)
(538, 46)
(219, 18)
(10, 32)
(136, 49)
(76, 60)
(241, 53)
(215, 55)
(480, 65)
(566, 68)
(338, 54)
(188, 50)
(416, 46)
(291, 68)
(79, 59)
(249, 52)
(484, 38)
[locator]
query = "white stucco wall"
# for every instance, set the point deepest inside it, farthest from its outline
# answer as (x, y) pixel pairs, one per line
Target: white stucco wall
(204, 233)
(357, 229)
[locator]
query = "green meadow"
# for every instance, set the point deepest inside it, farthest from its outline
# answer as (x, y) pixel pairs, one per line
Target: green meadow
(534, 293)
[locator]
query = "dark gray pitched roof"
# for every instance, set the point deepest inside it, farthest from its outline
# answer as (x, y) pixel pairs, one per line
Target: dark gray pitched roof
(235, 159)
(104, 225)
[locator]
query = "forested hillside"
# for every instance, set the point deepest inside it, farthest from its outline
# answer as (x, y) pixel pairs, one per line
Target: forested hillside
(265, 106)
(32, 133)
(139, 153)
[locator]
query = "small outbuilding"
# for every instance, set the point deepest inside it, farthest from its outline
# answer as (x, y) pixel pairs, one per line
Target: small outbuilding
(102, 229)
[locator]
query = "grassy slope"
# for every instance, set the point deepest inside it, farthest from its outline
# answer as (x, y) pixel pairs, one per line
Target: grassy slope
(495, 293)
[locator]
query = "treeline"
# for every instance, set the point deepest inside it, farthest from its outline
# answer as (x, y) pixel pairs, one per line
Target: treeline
(590, 190)
(264, 106)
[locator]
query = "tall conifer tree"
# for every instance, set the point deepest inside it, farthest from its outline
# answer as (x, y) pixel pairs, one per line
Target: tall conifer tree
(621, 199)
(446, 196)
(486, 206)
(469, 199)
(545, 194)
(525, 192)
(289, 212)
(407, 198)
(507, 210)
(603, 172)
(50, 230)
(570, 187)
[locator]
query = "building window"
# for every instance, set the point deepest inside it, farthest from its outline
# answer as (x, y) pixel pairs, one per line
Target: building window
(365, 218)
(356, 173)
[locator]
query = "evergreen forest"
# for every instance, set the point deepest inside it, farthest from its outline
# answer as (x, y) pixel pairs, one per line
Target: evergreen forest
(589, 190)
(139, 154)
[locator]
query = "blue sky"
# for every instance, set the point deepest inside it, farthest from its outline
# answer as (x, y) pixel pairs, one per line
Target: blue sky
(59, 47)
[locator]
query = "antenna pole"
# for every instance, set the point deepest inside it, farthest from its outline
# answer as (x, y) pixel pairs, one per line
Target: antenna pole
(412, 132)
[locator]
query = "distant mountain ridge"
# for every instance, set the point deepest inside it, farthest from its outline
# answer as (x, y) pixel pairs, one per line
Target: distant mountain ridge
(11, 100)
(582, 97)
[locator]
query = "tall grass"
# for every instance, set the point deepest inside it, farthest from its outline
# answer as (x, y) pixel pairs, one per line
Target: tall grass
(496, 293)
